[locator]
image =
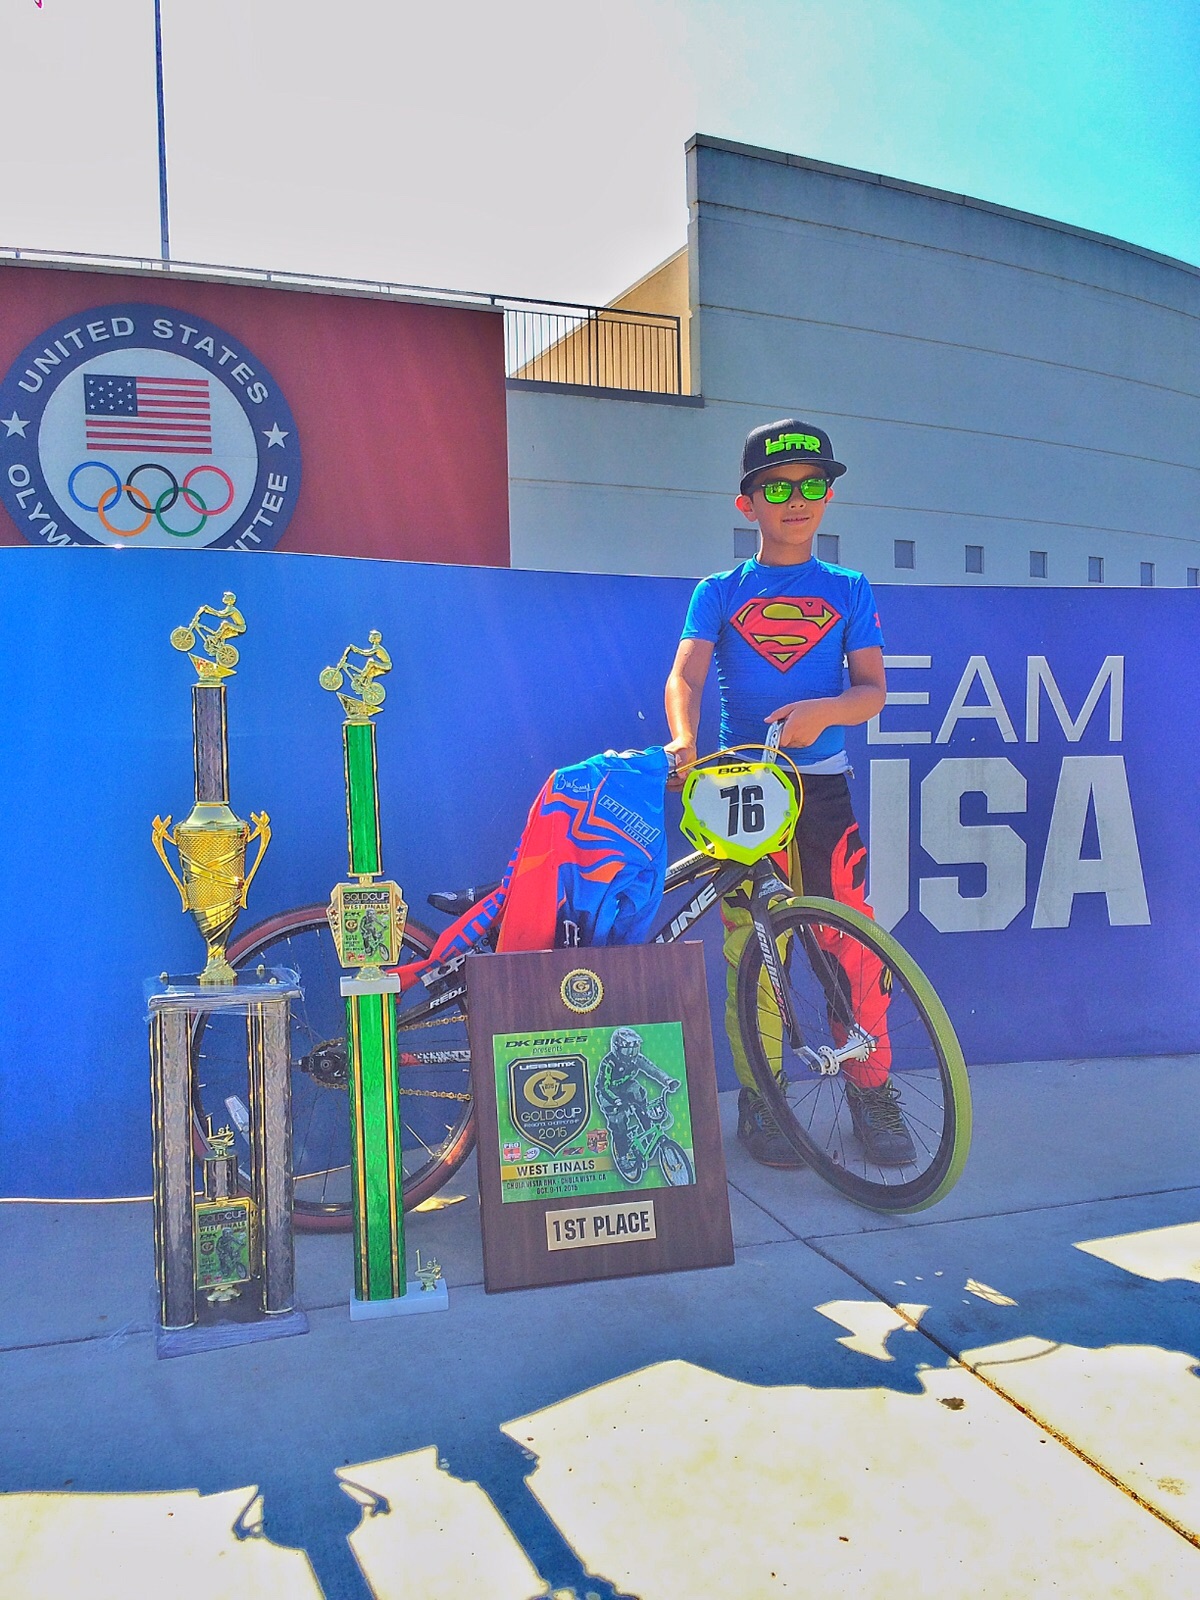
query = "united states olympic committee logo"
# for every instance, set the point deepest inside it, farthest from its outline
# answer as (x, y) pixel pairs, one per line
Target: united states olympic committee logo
(138, 425)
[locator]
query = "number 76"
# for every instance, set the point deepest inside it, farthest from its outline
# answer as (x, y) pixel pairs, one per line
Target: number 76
(746, 802)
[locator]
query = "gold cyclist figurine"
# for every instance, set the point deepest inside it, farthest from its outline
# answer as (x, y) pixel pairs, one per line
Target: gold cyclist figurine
(224, 656)
(374, 662)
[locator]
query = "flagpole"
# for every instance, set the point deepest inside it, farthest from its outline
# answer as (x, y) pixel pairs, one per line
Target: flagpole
(164, 232)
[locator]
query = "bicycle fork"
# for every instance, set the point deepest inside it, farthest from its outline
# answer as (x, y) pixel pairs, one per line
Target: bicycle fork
(825, 1059)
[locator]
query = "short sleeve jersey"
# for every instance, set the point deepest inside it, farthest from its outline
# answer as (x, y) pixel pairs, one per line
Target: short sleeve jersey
(782, 634)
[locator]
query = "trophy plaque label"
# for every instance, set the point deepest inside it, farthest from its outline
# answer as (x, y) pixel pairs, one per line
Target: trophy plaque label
(599, 1142)
(224, 1243)
(574, 1230)
(367, 921)
(592, 1111)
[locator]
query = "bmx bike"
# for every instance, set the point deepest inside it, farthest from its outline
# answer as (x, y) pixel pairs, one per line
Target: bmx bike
(638, 1127)
(798, 1023)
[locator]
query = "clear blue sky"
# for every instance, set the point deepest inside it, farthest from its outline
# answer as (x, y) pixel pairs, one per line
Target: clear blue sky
(537, 147)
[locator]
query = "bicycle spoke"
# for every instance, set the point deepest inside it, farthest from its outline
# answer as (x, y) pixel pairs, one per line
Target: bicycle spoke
(845, 979)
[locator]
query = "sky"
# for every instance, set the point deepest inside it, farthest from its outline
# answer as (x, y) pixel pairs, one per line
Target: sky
(536, 148)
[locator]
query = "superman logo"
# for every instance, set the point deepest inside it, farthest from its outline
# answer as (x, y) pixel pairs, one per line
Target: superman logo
(786, 628)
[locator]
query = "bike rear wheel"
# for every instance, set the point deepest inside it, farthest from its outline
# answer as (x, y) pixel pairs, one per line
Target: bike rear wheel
(433, 1052)
(823, 945)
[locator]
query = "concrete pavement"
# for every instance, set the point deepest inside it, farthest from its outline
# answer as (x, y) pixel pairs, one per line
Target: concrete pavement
(997, 1397)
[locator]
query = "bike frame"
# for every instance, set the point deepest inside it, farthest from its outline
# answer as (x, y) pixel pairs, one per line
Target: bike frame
(719, 881)
(715, 880)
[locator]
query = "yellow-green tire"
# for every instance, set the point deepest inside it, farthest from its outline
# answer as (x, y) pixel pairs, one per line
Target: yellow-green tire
(813, 1110)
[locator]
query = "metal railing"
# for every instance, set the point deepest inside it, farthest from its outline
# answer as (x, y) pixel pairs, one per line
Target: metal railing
(545, 341)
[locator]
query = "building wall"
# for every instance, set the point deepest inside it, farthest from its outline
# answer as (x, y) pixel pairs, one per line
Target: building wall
(665, 288)
(992, 379)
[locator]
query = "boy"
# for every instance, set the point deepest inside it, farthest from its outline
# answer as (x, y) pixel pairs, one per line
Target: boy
(780, 627)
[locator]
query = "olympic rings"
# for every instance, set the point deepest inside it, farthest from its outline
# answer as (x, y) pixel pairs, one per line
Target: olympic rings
(165, 501)
(106, 499)
(154, 466)
(207, 466)
(189, 496)
(104, 467)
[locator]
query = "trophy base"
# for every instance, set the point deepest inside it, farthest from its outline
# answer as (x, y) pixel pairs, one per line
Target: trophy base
(417, 1299)
(170, 1342)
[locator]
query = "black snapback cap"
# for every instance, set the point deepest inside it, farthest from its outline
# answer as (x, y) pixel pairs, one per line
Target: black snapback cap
(787, 440)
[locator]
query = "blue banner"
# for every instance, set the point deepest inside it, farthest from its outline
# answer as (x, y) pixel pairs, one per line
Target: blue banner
(1020, 794)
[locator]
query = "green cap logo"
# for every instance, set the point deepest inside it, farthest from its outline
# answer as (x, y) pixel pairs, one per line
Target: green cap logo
(793, 441)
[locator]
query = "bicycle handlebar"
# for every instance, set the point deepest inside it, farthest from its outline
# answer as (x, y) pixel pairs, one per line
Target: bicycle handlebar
(770, 750)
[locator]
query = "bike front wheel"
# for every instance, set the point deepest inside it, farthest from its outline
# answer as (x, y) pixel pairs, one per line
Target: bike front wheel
(674, 1164)
(434, 1069)
(845, 978)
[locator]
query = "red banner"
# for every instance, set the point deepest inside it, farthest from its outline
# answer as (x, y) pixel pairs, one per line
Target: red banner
(145, 410)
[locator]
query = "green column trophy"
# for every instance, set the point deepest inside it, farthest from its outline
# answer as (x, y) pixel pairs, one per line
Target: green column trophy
(367, 919)
(224, 1259)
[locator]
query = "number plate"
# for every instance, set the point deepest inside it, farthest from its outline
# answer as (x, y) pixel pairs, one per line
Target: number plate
(739, 812)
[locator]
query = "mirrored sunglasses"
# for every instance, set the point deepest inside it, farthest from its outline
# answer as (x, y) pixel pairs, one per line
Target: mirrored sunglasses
(778, 491)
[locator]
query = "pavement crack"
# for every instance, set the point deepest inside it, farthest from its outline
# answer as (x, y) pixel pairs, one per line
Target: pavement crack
(1012, 1211)
(767, 1212)
(1025, 1411)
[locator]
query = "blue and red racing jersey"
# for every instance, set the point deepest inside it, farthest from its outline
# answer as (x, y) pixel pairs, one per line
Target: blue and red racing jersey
(589, 867)
(782, 634)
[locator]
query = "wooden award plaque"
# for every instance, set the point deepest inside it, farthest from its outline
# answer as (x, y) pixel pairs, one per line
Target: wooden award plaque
(595, 1099)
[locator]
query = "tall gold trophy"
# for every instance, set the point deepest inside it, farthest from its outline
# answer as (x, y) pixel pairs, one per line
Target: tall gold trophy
(212, 842)
(224, 1261)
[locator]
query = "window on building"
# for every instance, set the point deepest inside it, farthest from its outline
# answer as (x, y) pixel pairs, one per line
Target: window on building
(745, 543)
(1037, 563)
(829, 548)
(1147, 574)
(974, 558)
(904, 553)
(1095, 569)
(1193, 581)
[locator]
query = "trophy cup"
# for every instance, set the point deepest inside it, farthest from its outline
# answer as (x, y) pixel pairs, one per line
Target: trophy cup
(367, 920)
(212, 842)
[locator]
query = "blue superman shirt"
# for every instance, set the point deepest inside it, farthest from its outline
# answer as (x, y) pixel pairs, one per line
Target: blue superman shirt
(782, 634)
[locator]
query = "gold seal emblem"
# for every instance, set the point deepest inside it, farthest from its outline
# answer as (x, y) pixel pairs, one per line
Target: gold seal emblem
(581, 990)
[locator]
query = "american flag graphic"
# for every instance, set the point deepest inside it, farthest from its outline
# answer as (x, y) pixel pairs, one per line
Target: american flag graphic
(165, 414)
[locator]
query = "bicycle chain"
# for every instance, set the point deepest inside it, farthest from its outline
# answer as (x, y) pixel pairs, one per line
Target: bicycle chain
(431, 1094)
(430, 1022)
(437, 1094)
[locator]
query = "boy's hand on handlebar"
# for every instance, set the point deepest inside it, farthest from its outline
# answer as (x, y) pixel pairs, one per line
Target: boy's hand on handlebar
(804, 721)
(684, 753)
